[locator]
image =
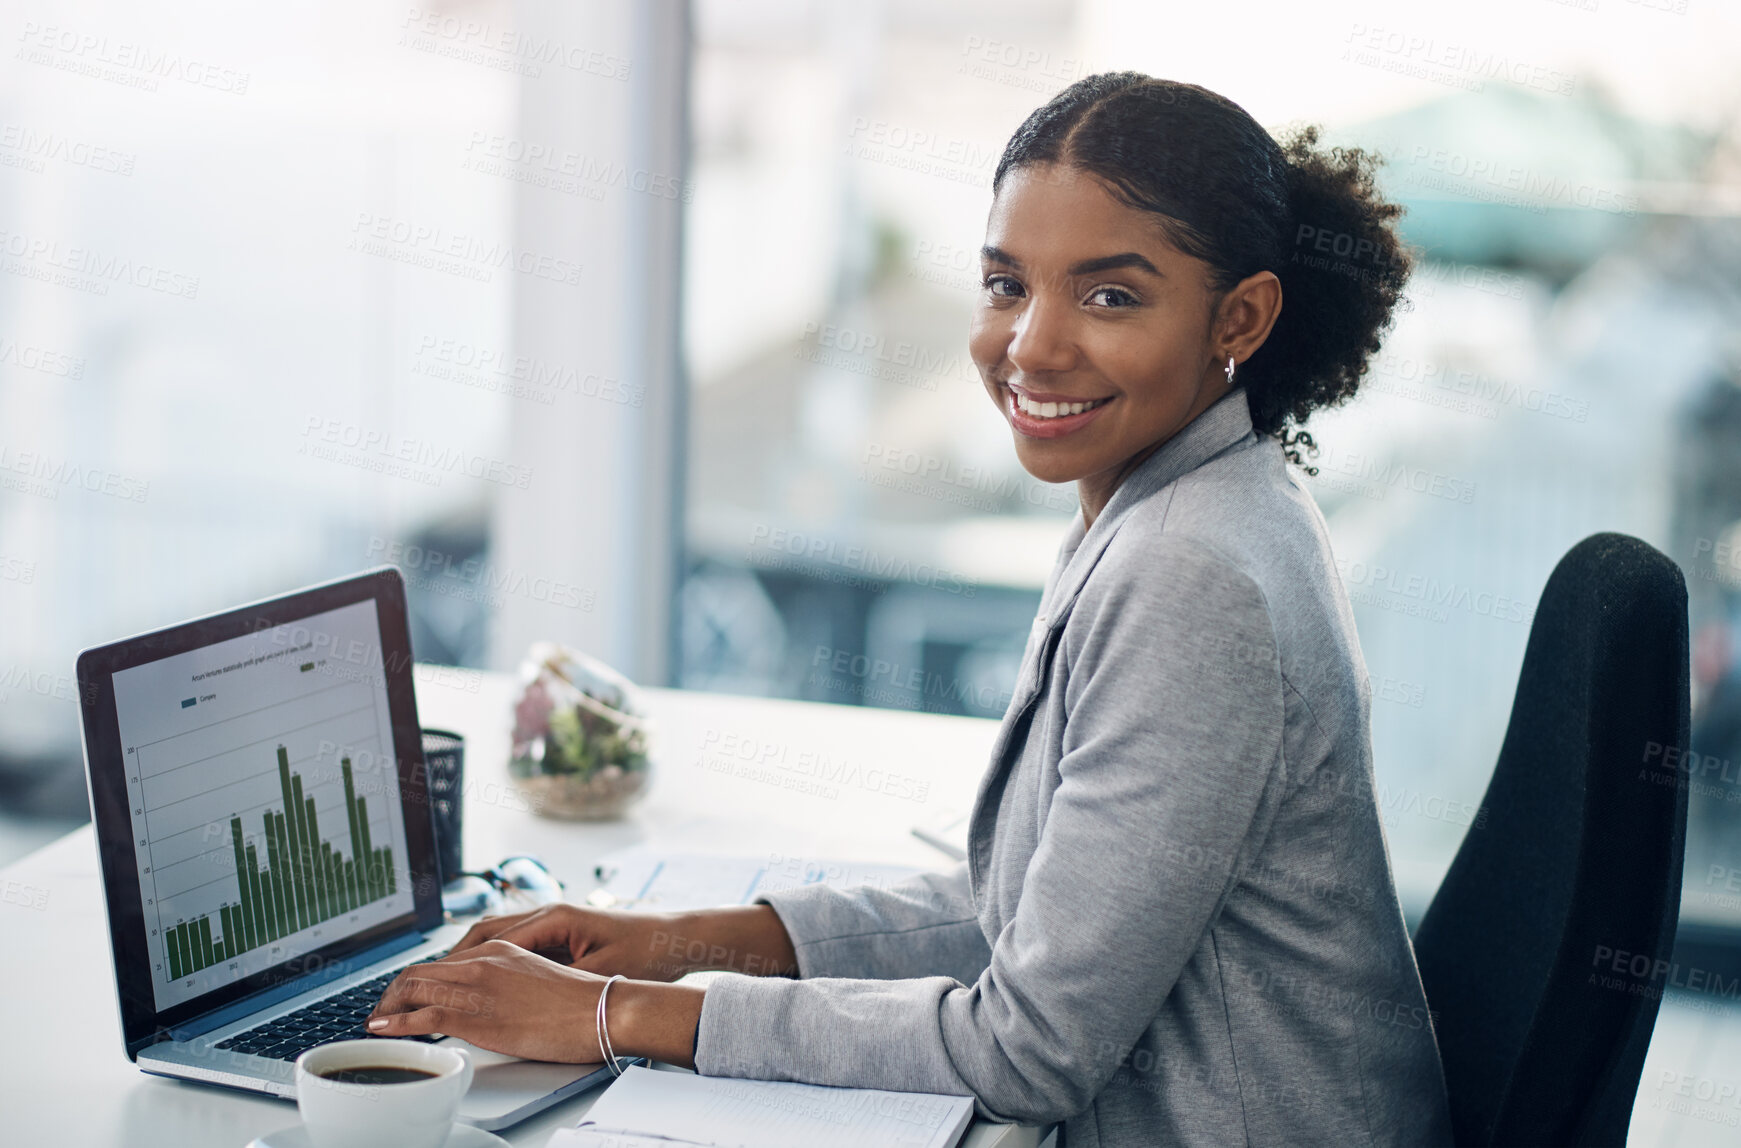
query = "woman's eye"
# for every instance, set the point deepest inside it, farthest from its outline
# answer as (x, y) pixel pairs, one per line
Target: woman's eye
(1112, 297)
(1002, 285)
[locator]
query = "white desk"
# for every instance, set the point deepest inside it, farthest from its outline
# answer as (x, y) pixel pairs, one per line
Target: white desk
(65, 1080)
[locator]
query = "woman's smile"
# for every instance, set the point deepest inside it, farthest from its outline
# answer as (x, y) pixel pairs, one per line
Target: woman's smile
(1042, 414)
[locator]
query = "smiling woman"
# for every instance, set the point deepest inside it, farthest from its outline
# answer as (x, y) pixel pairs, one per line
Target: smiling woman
(1097, 361)
(1143, 243)
(1177, 923)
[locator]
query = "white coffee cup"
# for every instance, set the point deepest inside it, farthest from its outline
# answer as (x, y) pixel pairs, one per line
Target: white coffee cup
(414, 1114)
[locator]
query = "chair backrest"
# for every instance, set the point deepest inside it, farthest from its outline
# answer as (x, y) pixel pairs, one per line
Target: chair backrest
(1546, 949)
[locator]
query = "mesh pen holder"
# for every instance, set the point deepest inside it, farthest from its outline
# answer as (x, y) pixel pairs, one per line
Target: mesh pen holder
(444, 757)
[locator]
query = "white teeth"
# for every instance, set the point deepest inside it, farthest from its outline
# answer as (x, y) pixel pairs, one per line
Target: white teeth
(1051, 410)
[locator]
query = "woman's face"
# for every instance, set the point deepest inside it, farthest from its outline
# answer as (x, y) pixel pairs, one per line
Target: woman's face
(1087, 307)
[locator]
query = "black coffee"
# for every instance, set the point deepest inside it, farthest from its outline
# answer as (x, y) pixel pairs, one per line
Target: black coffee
(376, 1074)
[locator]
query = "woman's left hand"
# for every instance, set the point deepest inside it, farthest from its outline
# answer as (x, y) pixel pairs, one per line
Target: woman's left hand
(500, 997)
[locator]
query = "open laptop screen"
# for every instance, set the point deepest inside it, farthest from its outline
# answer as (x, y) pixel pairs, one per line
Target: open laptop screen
(257, 783)
(264, 798)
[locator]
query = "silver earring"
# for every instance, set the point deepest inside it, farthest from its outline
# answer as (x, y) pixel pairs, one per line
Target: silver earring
(1230, 370)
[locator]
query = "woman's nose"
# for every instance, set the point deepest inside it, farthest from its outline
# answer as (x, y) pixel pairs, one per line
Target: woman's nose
(1044, 340)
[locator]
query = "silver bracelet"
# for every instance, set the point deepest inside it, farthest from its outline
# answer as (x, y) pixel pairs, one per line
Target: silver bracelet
(604, 1037)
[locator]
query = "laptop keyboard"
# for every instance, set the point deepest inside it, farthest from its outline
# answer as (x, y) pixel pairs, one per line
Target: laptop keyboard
(338, 1017)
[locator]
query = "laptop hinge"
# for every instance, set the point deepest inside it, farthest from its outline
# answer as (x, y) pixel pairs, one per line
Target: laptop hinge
(329, 971)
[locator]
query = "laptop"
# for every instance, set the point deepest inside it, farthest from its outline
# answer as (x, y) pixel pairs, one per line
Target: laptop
(267, 849)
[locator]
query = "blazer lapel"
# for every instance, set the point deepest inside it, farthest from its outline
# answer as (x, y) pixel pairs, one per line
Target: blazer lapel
(1224, 424)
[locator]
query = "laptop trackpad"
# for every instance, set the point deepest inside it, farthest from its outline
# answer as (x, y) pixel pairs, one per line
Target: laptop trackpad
(501, 1085)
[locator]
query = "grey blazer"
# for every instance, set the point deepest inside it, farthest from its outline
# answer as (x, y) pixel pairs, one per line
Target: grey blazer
(1177, 923)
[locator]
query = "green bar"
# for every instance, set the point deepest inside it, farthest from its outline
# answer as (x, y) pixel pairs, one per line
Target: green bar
(351, 882)
(205, 942)
(333, 900)
(387, 868)
(286, 875)
(363, 846)
(329, 896)
(259, 922)
(292, 821)
(253, 924)
(310, 846)
(172, 950)
(351, 805)
(222, 945)
(187, 968)
(280, 876)
(293, 812)
(365, 855)
(299, 845)
(258, 883)
(274, 895)
(246, 879)
(316, 873)
(245, 917)
(269, 897)
(354, 888)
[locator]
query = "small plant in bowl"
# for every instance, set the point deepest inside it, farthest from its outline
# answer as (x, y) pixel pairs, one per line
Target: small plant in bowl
(580, 737)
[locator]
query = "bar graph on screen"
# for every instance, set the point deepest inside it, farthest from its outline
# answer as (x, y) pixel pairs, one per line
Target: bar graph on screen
(264, 828)
(306, 880)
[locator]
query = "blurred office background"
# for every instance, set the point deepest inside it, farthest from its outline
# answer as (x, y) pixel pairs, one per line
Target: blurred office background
(642, 326)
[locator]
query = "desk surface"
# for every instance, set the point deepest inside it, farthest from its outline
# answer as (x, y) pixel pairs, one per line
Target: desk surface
(719, 786)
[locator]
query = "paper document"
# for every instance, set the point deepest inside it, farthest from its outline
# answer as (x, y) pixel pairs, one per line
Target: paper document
(649, 1109)
(641, 877)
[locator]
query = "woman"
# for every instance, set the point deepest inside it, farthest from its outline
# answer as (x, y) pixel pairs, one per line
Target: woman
(1177, 923)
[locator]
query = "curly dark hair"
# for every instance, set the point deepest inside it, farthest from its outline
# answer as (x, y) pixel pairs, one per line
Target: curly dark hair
(1230, 195)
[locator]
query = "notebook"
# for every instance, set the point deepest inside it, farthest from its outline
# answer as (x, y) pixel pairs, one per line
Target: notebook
(651, 1109)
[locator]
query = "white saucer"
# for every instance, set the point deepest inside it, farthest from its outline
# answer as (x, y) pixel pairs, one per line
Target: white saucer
(463, 1136)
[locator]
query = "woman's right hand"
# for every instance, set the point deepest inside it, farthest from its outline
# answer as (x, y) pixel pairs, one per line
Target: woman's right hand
(646, 946)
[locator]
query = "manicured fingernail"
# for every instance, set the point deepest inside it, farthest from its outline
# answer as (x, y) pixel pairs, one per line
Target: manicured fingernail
(378, 1024)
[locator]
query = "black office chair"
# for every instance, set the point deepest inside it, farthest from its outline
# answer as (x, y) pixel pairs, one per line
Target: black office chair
(1577, 861)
